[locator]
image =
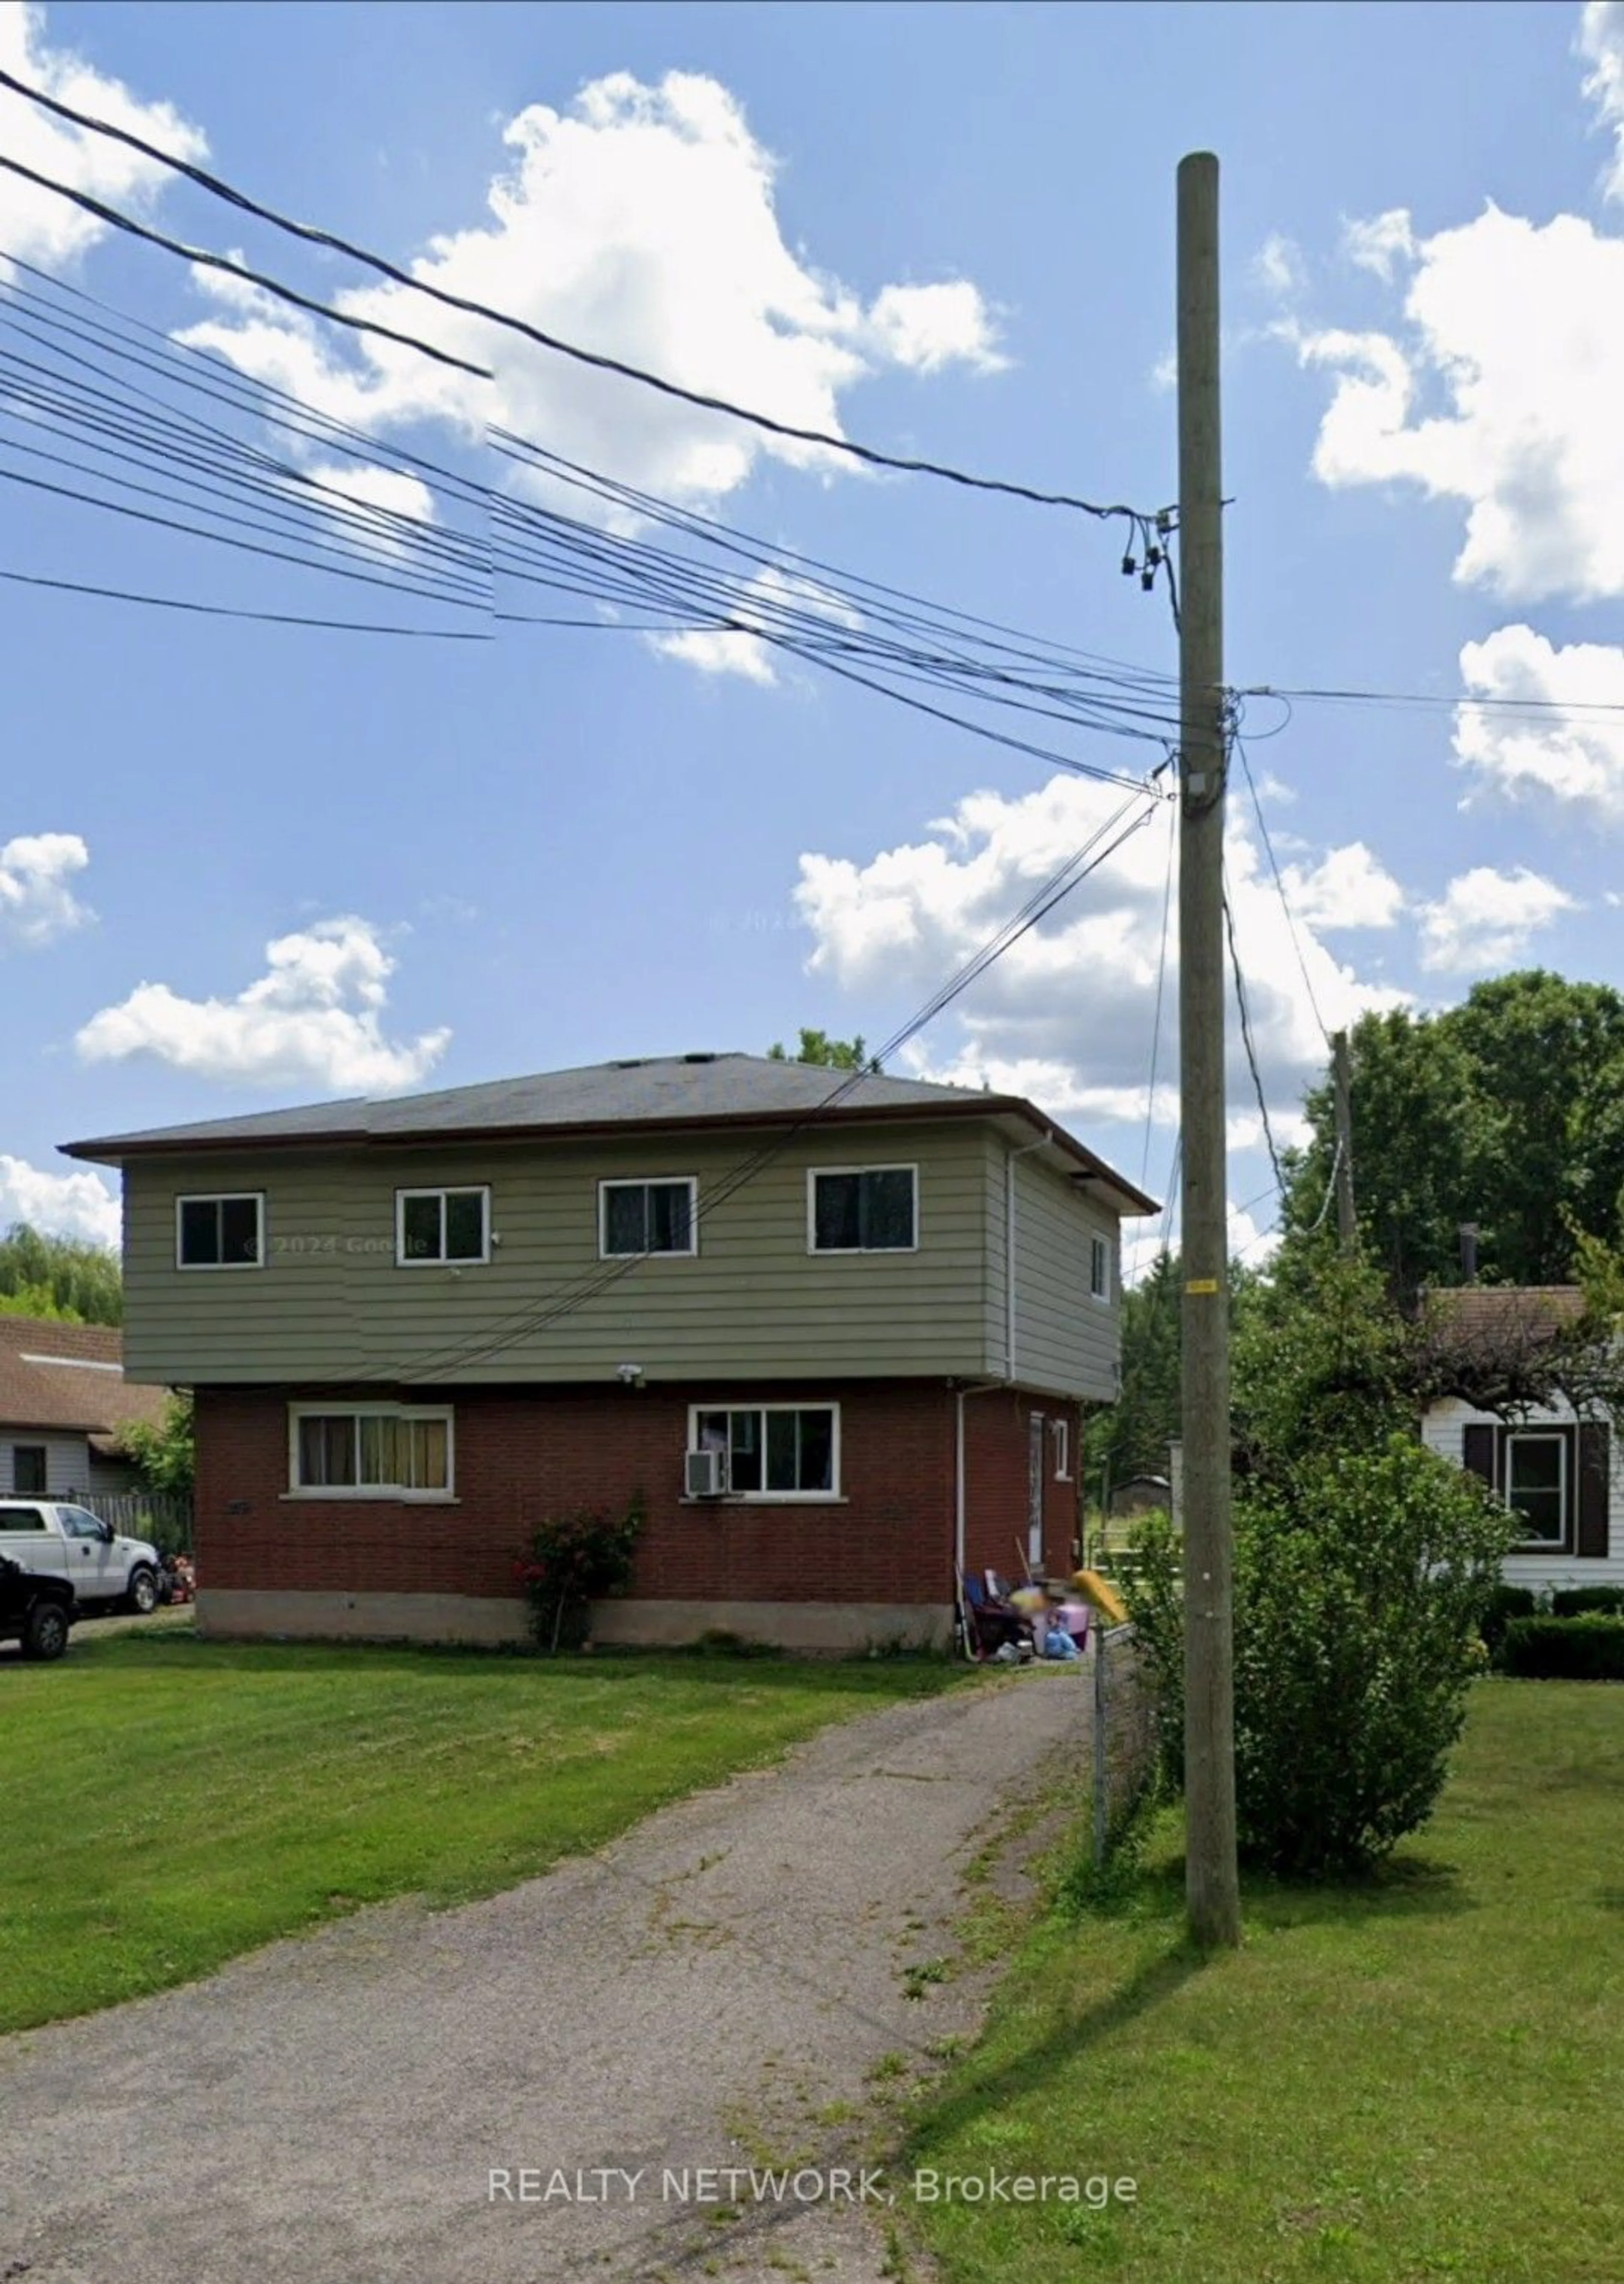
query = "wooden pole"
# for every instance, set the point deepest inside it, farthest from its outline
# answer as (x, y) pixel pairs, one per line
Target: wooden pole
(1342, 1091)
(1213, 1886)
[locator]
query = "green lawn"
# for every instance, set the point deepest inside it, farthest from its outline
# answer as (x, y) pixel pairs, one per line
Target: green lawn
(169, 1802)
(1421, 2078)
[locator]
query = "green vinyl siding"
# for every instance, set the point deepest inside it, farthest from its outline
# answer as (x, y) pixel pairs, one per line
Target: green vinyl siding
(332, 1305)
(1064, 1339)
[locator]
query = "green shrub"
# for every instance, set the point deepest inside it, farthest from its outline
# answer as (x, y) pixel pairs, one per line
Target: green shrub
(1504, 1604)
(1361, 1585)
(572, 1559)
(1587, 1648)
(1576, 1602)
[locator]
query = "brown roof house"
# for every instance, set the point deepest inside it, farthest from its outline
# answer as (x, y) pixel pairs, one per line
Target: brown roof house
(1553, 1465)
(63, 1400)
(837, 1335)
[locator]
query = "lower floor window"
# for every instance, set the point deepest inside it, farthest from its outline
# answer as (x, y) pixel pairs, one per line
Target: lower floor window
(371, 1449)
(1536, 1486)
(777, 1450)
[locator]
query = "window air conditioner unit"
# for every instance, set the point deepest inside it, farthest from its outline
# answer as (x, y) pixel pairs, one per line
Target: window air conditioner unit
(706, 1474)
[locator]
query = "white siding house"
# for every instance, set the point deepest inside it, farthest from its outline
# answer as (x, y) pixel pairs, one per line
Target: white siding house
(1560, 1473)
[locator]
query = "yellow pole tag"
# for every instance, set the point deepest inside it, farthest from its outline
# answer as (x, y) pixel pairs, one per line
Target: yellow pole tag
(1201, 1285)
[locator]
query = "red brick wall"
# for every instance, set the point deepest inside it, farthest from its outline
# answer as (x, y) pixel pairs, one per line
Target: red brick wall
(521, 1454)
(996, 1477)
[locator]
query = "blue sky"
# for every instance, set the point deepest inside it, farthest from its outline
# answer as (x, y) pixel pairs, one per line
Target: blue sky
(559, 847)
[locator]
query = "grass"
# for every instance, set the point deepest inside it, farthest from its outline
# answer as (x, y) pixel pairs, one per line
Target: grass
(1419, 2077)
(171, 1802)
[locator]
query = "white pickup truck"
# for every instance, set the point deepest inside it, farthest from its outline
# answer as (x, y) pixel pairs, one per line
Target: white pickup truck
(69, 1542)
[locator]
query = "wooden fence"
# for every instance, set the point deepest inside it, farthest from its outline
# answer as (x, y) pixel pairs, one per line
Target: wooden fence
(162, 1518)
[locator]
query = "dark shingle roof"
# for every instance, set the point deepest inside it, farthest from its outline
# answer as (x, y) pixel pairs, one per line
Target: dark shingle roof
(652, 1091)
(76, 1392)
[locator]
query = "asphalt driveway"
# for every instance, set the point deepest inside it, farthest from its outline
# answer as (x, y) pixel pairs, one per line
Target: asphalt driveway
(534, 2086)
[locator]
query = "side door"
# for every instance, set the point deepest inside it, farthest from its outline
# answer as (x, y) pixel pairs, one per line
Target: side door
(29, 1537)
(92, 1562)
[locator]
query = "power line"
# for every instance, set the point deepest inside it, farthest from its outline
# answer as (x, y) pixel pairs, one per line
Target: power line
(267, 618)
(1285, 901)
(1434, 698)
(1247, 1041)
(1142, 522)
(852, 628)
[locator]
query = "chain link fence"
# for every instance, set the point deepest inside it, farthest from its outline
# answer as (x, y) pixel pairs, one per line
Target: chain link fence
(1125, 1734)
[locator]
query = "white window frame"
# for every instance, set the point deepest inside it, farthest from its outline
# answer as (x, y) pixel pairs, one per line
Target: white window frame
(222, 1197)
(443, 1190)
(833, 1497)
(690, 1182)
(1061, 1430)
(399, 1494)
(1568, 1518)
(1099, 1268)
(815, 1174)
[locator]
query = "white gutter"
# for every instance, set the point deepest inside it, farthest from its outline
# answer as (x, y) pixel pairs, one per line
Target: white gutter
(1009, 1249)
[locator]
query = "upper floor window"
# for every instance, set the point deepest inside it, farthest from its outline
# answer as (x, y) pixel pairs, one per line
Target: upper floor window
(433, 1226)
(1099, 1268)
(637, 1217)
(863, 1209)
(222, 1231)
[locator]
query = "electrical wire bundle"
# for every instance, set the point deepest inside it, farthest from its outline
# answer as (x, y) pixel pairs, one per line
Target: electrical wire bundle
(100, 410)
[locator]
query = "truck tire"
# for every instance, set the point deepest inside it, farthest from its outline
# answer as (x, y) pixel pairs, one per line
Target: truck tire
(45, 1631)
(141, 1594)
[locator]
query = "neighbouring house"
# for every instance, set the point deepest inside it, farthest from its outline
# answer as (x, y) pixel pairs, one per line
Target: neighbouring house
(1552, 1467)
(840, 1349)
(63, 1401)
(1142, 1495)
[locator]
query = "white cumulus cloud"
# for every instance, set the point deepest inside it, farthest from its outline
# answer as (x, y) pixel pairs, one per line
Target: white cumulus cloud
(1567, 747)
(929, 327)
(63, 1205)
(1485, 919)
(1350, 888)
(1067, 1015)
(1278, 266)
(37, 903)
(642, 223)
(1499, 389)
(1601, 42)
(315, 1018)
(34, 223)
(1380, 243)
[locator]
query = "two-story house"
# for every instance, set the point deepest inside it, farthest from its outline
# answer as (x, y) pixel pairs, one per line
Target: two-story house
(842, 1349)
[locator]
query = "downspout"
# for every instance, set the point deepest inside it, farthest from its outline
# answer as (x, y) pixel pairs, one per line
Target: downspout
(1009, 1250)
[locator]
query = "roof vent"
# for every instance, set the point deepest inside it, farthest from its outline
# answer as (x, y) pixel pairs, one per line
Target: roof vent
(699, 1059)
(629, 1062)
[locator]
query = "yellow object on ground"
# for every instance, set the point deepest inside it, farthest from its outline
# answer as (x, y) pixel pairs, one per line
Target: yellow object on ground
(1104, 1597)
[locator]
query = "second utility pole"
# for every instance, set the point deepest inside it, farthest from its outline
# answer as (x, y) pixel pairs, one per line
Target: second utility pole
(1212, 1883)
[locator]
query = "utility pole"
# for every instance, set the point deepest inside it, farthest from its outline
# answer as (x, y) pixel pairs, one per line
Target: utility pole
(1212, 1883)
(1342, 1095)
